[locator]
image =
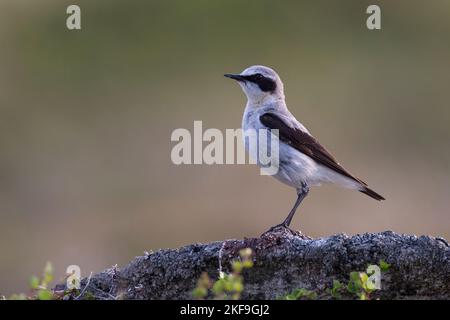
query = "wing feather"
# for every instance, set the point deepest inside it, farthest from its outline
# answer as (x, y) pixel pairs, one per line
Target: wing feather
(305, 143)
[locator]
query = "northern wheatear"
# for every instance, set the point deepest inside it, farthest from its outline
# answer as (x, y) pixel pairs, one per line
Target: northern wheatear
(303, 161)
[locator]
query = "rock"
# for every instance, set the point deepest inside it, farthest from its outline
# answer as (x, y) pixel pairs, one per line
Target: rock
(285, 260)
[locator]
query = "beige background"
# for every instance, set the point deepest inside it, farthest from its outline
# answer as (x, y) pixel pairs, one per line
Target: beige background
(86, 118)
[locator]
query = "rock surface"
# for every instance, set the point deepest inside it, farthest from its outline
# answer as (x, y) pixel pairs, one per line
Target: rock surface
(285, 260)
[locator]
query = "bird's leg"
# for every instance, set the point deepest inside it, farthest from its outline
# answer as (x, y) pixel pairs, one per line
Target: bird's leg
(301, 194)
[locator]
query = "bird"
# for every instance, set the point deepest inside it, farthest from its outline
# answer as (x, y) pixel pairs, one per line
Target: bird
(303, 161)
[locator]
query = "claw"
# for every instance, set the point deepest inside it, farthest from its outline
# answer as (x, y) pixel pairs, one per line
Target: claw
(281, 225)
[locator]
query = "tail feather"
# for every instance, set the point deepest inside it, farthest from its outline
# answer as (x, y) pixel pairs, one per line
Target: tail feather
(371, 193)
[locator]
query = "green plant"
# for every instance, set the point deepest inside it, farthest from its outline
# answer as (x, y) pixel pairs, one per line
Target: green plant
(229, 285)
(335, 291)
(39, 287)
(359, 284)
(384, 266)
(299, 294)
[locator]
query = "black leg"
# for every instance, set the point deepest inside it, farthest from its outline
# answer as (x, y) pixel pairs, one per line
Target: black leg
(302, 193)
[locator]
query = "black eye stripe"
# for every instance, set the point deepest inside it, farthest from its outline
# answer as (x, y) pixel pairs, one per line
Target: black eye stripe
(265, 84)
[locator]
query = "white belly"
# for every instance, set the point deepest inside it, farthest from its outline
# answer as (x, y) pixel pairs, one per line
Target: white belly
(297, 168)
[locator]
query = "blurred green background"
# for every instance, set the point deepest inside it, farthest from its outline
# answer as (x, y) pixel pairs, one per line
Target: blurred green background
(86, 118)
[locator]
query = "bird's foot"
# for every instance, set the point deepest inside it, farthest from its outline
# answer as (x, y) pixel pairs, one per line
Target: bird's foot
(283, 229)
(279, 227)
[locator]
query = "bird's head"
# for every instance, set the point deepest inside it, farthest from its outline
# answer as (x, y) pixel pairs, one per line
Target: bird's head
(260, 84)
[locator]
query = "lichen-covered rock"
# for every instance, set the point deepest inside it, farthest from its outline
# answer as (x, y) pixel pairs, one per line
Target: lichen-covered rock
(283, 261)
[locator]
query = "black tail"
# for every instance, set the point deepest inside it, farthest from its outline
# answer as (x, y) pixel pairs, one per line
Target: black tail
(372, 194)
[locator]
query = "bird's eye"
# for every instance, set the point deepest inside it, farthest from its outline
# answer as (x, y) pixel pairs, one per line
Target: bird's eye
(258, 76)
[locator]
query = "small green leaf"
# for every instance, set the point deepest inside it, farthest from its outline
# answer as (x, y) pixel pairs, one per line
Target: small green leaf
(237, 266)
(299, 294)
(199, 292)
(48, 274)
(238, 287)
(370, 286)
(34, 282)
(247, 264)
(218, 286)
(364, 277)
(45, 295)
(384, 266)
(354, 276)
(337, 285)
(228, 285)
(354, 285)
(334, 291)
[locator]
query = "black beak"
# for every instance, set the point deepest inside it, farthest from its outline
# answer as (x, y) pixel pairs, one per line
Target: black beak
(237, 77)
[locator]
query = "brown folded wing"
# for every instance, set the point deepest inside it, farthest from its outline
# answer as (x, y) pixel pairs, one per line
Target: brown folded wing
(305, 143)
